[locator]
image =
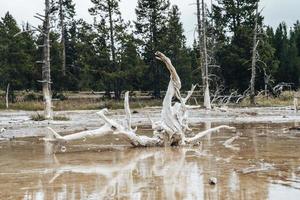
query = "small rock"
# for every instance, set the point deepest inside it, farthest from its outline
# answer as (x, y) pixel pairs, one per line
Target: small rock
(213, 180)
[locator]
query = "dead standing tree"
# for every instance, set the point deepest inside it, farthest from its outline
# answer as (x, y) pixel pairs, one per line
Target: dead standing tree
(199, 30)
(46, 74)
(254, 59)
(63, 39)
(172, 129)
(46, 77)
(201, 18)
(7, 95)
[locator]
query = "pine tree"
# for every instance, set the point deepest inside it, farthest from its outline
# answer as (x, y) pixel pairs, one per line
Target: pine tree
(110, 17)
(66, 16)
(150, 26)
(175, 43)
(132, 67)
(17, 55)
(93, 59)
(235, 21)
(287, 54)
(281, 45)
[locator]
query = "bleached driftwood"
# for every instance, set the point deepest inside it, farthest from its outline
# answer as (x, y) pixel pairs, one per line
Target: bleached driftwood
(171, 129)
(295, 104)
(260, 167)
(6, 95)
(46, 74)
(254, 59)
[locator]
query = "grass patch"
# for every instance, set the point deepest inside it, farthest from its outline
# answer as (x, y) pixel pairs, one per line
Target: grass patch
(285, 99)
(37, 117)
(40, 117)
(61, 118)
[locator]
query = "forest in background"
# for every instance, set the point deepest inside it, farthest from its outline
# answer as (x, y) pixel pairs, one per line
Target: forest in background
(116, 55)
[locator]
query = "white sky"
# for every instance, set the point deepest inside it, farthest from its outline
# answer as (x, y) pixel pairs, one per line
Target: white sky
(275, 11)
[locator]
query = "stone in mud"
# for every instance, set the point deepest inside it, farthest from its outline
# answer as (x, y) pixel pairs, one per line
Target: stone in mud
(212, 180)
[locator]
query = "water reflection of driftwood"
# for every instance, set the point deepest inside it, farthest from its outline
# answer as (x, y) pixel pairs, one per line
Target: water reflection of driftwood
(228, 143)
(104, 169)
(260, 167)
(132, 169)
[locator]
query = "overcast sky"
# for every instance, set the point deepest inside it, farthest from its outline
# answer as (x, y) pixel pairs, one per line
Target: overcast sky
(275, 11)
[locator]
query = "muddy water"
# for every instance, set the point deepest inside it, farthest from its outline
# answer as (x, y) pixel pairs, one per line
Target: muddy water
(264, 164)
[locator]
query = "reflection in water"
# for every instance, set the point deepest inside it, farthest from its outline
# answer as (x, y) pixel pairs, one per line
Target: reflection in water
(28, 170)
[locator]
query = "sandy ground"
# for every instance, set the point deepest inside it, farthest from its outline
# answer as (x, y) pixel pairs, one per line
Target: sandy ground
(18, 123)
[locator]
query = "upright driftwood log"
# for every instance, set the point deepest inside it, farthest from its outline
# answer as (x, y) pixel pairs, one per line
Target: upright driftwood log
(199, 30)
(171, 129)
(63, 41)
(207, 103)
(7, 95)
(254, 60)
(202, 34)
(46, 64)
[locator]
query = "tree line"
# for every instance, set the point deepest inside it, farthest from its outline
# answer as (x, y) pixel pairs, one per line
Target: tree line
(112, 54)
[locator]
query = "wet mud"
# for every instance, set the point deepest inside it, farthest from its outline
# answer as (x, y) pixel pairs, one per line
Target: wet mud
(264, 164)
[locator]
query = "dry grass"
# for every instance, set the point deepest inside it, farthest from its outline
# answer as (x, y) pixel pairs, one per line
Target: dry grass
(61, 118)
(40, 117)
(37, 117)
(285, 99)
(80, 105)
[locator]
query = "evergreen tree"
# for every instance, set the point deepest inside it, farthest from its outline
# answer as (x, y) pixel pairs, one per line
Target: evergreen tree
(72, 70)
(151, 27)
(287, 54)
(296, 35)
(281, 44)
(110, 18)
(194, 54)
(92, 56)
(175, 47)
(235, 22)
(17, 55)
(267, 61)
(66, 15)
(132, 67)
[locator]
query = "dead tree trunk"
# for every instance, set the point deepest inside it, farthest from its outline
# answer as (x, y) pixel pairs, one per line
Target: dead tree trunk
(63, 41)
(207, 104)
(46, 64)
(6, 95)
(199, 28)
(254, 60)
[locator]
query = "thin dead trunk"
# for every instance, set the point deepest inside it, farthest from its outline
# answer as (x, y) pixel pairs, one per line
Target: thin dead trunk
(46, 64)
(6, 95)
(207, 104)
(254, 60)
(63, 41)
(296, 104)
(155, 65)
(266, 81)
(199, 23)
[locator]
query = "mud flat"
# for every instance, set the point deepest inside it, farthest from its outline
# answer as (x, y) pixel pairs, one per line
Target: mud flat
(264, 163)
(18, 123)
